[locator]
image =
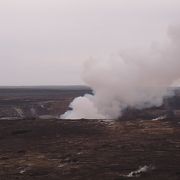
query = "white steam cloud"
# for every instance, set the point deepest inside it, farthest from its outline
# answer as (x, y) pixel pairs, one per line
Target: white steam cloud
(137, 80)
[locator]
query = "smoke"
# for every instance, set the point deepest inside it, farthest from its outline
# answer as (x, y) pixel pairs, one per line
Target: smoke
(138, 80)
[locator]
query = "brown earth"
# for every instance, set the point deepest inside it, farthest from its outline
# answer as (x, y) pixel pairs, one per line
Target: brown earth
(43, 103)
(89, 149)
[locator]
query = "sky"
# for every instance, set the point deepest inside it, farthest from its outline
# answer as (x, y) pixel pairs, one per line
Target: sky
(46, 42)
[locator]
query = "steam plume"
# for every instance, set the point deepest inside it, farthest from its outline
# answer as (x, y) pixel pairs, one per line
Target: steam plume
(137, 80)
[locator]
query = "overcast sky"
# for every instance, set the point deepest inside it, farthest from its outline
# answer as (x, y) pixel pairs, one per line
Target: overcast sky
(45, 42)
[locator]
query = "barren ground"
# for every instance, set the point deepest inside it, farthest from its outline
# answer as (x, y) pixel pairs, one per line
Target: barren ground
(34, 146)
(89, 149)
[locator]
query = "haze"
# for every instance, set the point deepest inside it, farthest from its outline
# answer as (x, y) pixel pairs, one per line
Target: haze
(46, 42)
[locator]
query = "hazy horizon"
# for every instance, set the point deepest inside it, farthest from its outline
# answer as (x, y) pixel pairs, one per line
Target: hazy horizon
(46, 42)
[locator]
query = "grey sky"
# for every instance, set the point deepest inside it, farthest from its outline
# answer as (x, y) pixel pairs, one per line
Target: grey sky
(45, 42)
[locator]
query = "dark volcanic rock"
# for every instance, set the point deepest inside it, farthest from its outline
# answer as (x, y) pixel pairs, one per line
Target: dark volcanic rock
(28, 103)
(89, 149)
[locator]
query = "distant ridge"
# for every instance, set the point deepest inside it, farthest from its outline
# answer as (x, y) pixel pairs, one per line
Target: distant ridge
(62, 87)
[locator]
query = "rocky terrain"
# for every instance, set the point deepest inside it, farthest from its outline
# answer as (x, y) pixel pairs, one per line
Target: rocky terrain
(37, 102)
(36, 145)
(51, 102)
(89, 149)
